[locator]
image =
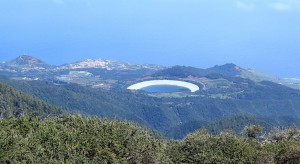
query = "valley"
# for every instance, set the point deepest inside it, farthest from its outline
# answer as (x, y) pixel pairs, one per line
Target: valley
(99, 88)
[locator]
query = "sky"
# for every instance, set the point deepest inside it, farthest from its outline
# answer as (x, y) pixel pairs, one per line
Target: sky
(259, 34)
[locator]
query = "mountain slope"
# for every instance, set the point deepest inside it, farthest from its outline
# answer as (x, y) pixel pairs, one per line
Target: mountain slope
(106, 104)
(109, 65)
(26, 61)
(225, 94)
(166, 114)
(111, 74)
(181, 72)
(235, 123)
(14, 102)
(226, 69)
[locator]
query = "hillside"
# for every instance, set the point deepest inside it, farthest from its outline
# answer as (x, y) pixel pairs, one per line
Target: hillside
(26, 60)
(102, 73)
(171, 116)
(106, 104)
(227, 70)
(235, 123)
(16, 103)
(98, 88)
(97, 73)
(181, 72)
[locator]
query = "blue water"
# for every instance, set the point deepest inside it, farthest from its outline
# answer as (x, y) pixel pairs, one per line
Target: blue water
(165, 89)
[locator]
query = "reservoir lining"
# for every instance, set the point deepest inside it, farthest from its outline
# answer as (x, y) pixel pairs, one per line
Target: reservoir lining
(139, 86)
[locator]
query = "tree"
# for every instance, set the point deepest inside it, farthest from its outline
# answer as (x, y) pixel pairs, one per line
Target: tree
(252, 131)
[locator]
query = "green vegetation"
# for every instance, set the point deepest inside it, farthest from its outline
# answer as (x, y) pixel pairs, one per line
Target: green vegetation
(183, 72)
(74, 139)
(265, 103)
(14, 102)
(236, 123)
(202, 147)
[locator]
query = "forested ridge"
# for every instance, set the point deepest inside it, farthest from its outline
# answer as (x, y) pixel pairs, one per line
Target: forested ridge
(14, 102)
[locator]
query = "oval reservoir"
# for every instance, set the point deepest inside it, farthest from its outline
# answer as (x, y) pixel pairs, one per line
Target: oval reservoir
(165, 86)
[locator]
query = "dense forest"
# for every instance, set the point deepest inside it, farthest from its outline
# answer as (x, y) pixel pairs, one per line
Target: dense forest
(15, 103)
(74, 139)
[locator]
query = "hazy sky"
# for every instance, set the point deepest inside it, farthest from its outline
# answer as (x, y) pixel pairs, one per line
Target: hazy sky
(260, 34)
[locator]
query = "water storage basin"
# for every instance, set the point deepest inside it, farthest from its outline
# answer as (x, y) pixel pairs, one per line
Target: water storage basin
(165, 86)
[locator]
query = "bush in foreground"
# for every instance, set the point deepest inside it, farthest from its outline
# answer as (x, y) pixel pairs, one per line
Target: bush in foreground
(74, 139)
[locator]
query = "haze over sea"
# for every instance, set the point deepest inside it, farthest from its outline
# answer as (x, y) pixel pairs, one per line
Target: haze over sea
(263, 35)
